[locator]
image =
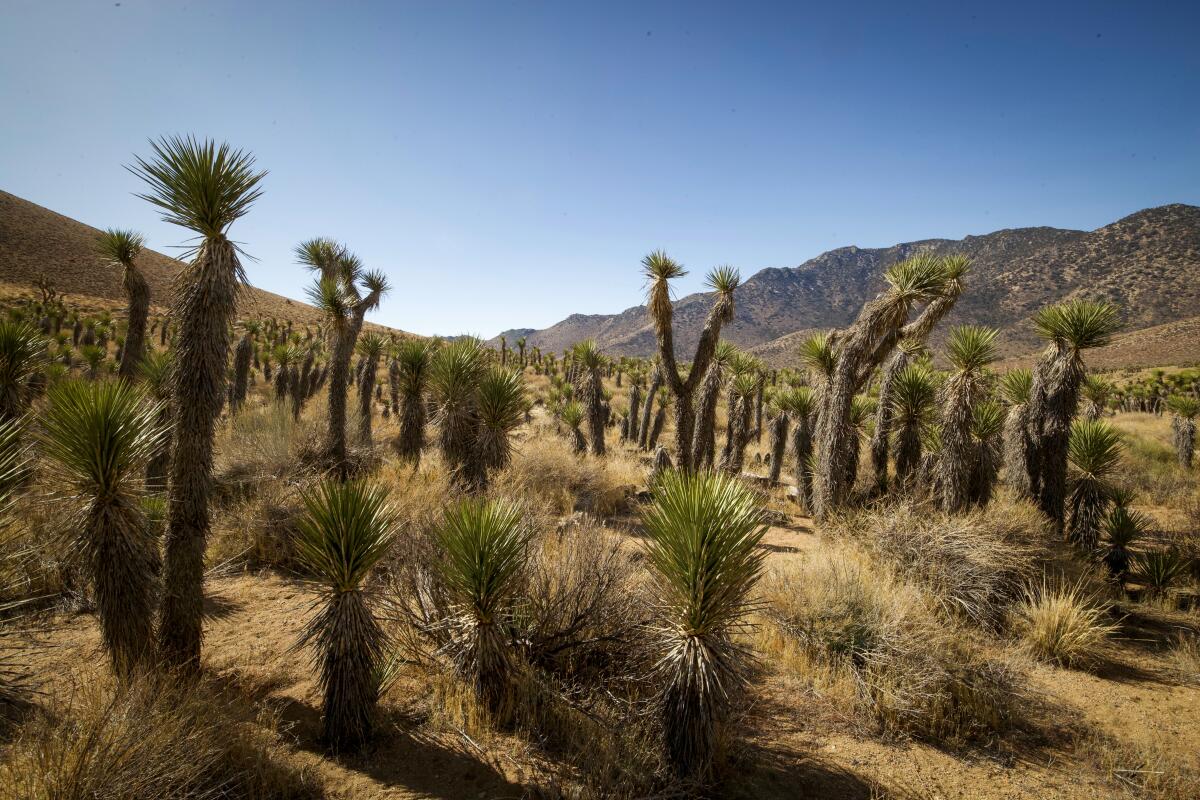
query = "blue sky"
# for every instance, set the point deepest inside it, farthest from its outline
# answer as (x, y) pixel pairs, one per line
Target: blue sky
(510, 163)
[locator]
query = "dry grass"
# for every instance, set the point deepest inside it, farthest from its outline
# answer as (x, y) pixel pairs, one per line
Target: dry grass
(1062, 624)
(842, 618)
(1184, 656)
(1147, 770)
(152, 740)
(973, 565)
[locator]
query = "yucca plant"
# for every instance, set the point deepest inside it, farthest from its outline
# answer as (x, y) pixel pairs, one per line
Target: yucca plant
(484, 546)
(858, 350)
(1015, 386)
(1096, 392)
(1184, 410)
(743, 387)
(906, 352)
(652, 392)
(204, 187)
(413, 357)
(591, 390)
(571, 414)
(370, 349)
(242, 356)
(22, 355)
(156, 379)
(454, 377)
(346, 529)
(780, 422)
(913, 392)
(1094, 453)
(101, 435)
(1159, 571)
(970, 349)
(501, 404)
(660, 269)
(1071, 328)
(862, 409)
(704, 439)
(1123, 529)
(121, 248)
(987, 424)
(703, 534)
(799, 404)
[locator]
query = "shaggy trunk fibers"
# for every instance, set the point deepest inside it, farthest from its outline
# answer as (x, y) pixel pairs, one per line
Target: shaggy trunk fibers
(647, 409)
(779, 431)
(635, 400)
(1184, 429)
(203, 313)
(704, 440)
(241, 371)
(350, 645)
(802, 446)
(366, 395)
(593, 398)
(883, 420)
(1018, 451)
(1052, 403)
(958, 454)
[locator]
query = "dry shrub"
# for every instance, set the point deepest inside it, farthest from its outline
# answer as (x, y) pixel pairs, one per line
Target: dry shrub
(1146, 769)
(259, 445)
(152, 740)
(913, 673)
(1062, 624)
(257, 531)
(545, 473)
(973, 565)
(1184, 656)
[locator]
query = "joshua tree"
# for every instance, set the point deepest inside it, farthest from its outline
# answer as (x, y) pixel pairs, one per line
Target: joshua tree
(913, 393)
(204, 187)
(338, 292)
(703, 534)
(1018, 446)
(800, 406)
(635, 401)
(156, 378)
(987, 422)
(1071, 328)
(907, 350)
(572, 416)
(970, 348)
(779, 432)
(1094, 452)
(412, 371)
(122, 249)
(704, 441)
(1095, 391)
(656, 382)
(521, 348)
(241, 371)
(659, 269)
(370, 348)
(483, 546)
(743, 387)
(101, 436)
(22, 355)
(858, 350)
(346, 530)
(502, 405)
(1183, 425)
(591, 390)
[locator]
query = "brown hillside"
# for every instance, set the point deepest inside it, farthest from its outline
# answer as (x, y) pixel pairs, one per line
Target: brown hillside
(35, 242)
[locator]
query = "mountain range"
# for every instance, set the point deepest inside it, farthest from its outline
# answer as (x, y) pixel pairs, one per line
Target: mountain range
(1148, 263)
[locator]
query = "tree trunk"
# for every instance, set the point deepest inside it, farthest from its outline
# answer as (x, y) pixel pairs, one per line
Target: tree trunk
(883, 420)
(138, 292)
(779, 431)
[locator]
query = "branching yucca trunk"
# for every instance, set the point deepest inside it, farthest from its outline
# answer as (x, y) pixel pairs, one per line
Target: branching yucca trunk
(203, 313)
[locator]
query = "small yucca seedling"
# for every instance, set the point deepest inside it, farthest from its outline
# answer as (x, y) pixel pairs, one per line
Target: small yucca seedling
(484, 545)
(704, 531)
(1063, 624)
(346, 529)
(101, 435)
(1122, 530)
(1159, 571)
(1094, 452)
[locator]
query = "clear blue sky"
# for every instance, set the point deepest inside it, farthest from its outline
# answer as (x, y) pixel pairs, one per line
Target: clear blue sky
(510, 163)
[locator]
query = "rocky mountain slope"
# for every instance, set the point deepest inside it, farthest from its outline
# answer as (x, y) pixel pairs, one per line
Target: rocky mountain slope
(1147, 262)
